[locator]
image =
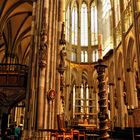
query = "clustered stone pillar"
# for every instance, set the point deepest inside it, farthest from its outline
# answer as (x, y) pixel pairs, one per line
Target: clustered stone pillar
(61, 54)
(102, 115)
(42, 69)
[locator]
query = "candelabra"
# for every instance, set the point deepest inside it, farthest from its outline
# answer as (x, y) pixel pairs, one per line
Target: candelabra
(102, 115)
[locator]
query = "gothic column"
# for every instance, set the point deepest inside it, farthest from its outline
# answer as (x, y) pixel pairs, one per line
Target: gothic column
(38, 68)
(30, 113)
(112, 109)
(121, 108)
(136, 23)
(130, 87)
(60, 58)
(79, 92)
(49, 73)
(46, 19)
(42, 69)
(3, 119)
(68, 94)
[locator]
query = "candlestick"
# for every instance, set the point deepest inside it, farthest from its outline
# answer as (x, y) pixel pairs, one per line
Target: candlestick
(100, 46)
(103, 113)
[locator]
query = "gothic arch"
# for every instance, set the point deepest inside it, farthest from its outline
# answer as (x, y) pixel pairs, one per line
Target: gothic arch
(120, 65)
(131, 72)
(130, 53)
(73, 2)
(120, 112)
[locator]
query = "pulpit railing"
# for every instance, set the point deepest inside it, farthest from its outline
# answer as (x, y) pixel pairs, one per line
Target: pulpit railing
(13, 68)
(13, 75)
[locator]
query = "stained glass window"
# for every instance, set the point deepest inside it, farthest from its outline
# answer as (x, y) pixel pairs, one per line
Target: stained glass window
(106, 7)
(84, 25)
(95, 55)
(84, 56)
(74, 24)
(73, 54)
(94, 35)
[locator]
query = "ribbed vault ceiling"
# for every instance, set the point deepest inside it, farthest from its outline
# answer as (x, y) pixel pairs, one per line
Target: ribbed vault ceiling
(15, 27)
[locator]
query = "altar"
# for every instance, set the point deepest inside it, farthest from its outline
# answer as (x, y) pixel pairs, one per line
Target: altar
(88, 126)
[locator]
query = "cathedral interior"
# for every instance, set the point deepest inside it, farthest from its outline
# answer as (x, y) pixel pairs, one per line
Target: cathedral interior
(70, 63)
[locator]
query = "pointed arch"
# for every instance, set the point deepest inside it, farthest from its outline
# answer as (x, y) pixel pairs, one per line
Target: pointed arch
(130, 53)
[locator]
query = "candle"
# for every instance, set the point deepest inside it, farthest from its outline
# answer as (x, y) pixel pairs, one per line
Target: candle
(100, 46)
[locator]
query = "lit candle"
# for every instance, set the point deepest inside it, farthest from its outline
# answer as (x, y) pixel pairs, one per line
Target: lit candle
(100, 46)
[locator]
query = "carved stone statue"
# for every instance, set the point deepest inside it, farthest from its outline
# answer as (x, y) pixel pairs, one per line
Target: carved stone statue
(43, 50)
(62, 57)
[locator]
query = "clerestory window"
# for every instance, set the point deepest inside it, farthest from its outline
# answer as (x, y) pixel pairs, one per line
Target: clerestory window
(74, 24)
(84, 25)
(94, 31)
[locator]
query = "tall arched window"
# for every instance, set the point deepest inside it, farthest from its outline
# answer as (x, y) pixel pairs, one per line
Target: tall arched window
(95, 55)
(87, 99)
(107, 27)
(84, 25)
(84, 56)
(106, 7)
(117, 11)
(82, 98)
(74, 24)
(68, 23)
(94, 34)
(73, 54)
(127, 15)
